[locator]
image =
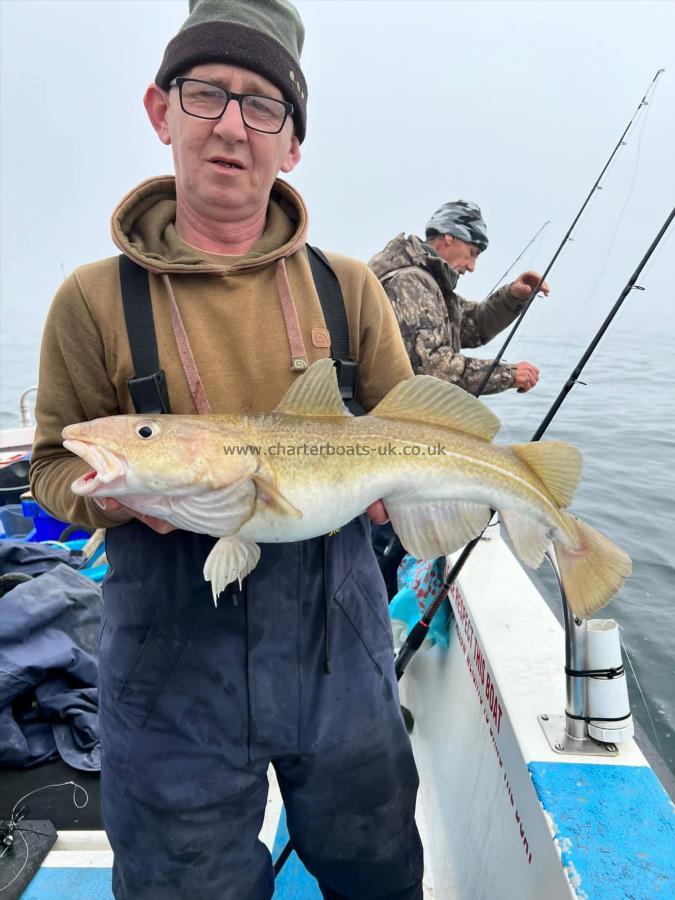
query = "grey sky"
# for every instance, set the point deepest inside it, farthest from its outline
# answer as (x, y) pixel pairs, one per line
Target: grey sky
(514, 105)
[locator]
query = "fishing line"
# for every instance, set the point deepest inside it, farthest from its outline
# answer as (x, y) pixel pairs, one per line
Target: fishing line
(597, 186)
(535, 244)
(623, 210)
(25, 862)
(13, 822)
(644, 701)
(520, 256)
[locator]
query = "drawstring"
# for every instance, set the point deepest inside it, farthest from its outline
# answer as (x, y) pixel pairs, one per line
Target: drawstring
(295, 341)
(185, 352)
(326, 612)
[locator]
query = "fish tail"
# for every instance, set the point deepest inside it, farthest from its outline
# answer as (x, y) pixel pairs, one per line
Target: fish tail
(592, 567)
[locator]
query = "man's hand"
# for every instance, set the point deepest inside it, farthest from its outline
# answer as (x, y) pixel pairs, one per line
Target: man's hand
(526, 376)
(378, 514)
(524, 284)
(121, 513)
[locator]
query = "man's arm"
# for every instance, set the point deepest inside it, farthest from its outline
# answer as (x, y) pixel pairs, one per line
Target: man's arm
(480, 322)
(426, 329)
(74, 386)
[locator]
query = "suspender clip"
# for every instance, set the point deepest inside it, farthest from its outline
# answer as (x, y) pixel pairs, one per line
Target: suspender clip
(149, 393)
(347, 375)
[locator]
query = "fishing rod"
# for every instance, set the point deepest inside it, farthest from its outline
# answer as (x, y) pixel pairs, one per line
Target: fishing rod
(420, 630)
(596, 187)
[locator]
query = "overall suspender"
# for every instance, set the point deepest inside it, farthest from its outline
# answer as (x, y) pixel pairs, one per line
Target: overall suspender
(335, 315)
(148, 387)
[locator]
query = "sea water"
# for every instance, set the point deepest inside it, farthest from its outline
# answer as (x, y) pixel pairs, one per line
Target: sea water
(622, 419)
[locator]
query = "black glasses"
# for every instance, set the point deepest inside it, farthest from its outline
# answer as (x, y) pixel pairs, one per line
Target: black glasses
(209, 101)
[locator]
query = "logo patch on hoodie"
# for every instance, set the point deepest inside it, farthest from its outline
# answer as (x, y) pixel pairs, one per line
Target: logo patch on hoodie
(320, 337)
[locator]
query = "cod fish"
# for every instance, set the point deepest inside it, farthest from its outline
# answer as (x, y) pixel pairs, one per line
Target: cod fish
(309, 467)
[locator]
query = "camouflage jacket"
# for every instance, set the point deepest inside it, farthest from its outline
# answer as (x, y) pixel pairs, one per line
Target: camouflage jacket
(436, 323)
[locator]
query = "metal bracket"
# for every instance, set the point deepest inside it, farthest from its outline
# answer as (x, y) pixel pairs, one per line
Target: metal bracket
(560, 742)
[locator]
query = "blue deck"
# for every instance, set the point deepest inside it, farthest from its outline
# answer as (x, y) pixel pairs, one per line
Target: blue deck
(615, 826)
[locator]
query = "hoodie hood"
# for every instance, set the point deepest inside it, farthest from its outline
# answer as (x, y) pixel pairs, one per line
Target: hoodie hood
(405, 252)
(144, 228)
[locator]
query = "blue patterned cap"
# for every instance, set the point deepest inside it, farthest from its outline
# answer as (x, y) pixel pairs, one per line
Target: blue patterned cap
(461, 219)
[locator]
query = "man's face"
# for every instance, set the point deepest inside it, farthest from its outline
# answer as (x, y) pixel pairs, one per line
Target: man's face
(459, 255)
(224, 170)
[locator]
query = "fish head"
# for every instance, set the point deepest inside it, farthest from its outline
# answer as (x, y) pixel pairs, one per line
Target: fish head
(162, 454)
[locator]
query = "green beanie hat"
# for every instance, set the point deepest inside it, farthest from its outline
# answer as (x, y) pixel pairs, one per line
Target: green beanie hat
(264, 36)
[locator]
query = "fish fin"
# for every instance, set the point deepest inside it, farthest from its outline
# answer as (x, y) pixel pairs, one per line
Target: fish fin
(314, 393)
(274, 498)
(556, 463)
(593, 571)
(231, 559)
(428, 400)
(530, 539)
(218, 512)
(435, 529)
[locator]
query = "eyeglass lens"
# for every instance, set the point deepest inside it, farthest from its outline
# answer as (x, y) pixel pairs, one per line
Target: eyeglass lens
(208, 101)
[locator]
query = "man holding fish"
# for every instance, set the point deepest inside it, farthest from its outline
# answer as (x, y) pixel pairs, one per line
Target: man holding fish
(295, 665)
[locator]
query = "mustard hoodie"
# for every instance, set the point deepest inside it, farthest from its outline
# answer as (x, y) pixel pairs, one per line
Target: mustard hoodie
(233, 318)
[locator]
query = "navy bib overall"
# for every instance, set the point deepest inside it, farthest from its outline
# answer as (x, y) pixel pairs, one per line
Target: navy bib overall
(296, 669)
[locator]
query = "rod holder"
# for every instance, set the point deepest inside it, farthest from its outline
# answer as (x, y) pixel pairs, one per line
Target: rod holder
(568, 734)
(576, 635)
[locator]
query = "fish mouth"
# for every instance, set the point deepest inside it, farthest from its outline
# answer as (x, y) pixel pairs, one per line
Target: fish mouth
(108, 475)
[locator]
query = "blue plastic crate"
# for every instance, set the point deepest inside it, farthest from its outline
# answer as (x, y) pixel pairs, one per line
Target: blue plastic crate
(46, 527)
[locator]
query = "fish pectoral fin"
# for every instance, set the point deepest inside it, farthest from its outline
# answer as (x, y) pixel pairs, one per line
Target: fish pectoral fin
(556, 464)
(435, 529)
(530, 539)
(231, 559)
(314, 393)
(274, 498)
(430, 401)
(222, 511)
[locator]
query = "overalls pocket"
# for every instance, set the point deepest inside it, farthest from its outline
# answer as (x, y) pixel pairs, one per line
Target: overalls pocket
(151, 658)
(359, 605)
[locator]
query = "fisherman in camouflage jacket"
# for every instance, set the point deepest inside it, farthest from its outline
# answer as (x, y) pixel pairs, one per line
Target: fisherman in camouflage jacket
(436, 323)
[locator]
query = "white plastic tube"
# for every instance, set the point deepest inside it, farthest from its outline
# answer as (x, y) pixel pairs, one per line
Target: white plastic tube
(607, 696)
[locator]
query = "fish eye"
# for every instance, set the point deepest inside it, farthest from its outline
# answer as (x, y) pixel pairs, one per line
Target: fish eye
(147, 430)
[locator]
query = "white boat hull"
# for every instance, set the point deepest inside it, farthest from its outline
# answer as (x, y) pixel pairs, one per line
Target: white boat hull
(506, 816)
